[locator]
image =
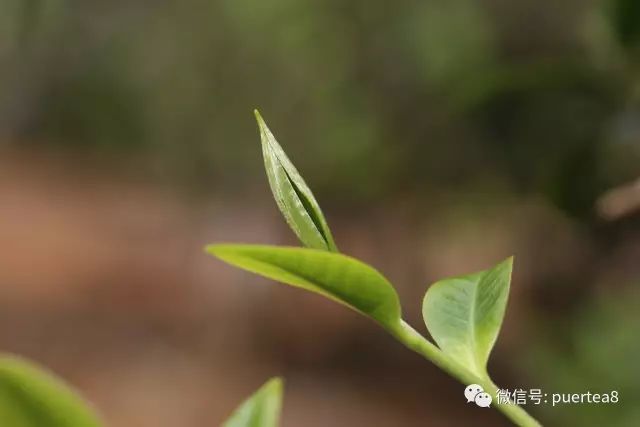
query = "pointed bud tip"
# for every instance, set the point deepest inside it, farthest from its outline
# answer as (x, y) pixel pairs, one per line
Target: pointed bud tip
(276, 383)
(259, 118)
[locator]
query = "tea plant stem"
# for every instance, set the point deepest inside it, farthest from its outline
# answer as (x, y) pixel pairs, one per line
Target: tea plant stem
(416, 342)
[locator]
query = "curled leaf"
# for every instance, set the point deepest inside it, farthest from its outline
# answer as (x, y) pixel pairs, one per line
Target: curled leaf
(33, 397)
(262, 409)
(294, 198)
(464, 314)
(336, 276)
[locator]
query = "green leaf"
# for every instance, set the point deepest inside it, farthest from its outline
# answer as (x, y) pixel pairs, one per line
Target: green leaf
(293, 196)
(262, 409)
(464, 314)
(33, 397)
(336, 276)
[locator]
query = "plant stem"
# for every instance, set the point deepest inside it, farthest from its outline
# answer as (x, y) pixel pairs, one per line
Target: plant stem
(416, 342)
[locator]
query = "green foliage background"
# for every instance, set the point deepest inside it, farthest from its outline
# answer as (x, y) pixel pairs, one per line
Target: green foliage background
(420, 93)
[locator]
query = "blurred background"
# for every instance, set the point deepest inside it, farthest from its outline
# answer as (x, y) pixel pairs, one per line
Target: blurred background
(439, 136)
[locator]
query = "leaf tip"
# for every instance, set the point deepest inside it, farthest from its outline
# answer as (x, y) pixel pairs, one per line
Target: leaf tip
(229, 252)
(259, 118)
(275, 385)
(217, 250)
(508, 262)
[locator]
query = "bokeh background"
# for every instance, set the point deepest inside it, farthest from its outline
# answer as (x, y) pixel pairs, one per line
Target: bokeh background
(439, 136)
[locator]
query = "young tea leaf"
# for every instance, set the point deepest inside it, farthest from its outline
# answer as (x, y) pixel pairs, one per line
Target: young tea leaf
(262, 409)
(464, 314)
(293, 196)
(33, 397)
(336, 276)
